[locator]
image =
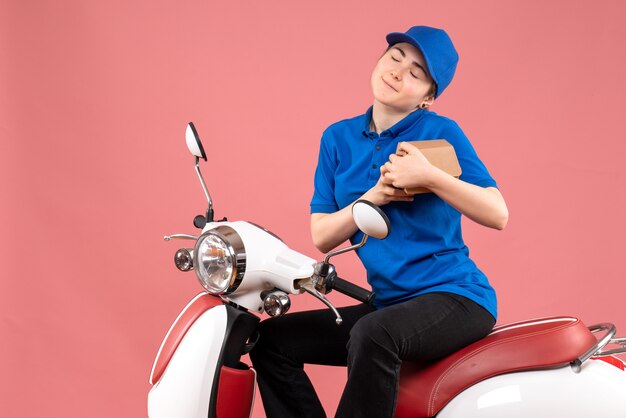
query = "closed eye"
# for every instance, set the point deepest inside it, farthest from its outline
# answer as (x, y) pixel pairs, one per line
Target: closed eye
(396, 54)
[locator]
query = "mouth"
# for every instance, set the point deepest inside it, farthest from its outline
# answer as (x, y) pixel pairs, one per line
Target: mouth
(388, 85)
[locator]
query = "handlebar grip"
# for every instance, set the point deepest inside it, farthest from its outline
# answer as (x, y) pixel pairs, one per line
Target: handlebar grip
(350, 289)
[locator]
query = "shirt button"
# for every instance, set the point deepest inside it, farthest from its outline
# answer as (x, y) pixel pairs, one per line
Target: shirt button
(374, 165)
(377, 147)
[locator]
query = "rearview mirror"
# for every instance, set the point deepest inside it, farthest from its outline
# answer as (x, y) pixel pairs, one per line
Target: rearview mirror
(370, 219)
(193, 142)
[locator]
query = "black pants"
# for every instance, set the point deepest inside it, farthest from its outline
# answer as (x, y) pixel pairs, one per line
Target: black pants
(372, 343)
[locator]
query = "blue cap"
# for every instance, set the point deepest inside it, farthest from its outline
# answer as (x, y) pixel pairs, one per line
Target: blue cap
(439, 52)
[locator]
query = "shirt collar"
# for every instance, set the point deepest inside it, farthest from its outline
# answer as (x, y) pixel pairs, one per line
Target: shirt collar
(396, 129)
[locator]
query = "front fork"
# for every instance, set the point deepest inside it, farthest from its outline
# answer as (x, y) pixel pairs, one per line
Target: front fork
(233, 396)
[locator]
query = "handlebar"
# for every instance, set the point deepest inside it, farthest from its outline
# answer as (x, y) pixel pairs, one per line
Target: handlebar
(349, 289)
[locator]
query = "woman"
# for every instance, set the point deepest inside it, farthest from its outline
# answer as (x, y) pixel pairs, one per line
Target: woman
(431, 299)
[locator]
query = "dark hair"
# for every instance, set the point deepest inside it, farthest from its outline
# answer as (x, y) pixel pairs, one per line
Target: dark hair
(432, 91)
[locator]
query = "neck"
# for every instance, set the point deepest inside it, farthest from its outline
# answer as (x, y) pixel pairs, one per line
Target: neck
(384, 117)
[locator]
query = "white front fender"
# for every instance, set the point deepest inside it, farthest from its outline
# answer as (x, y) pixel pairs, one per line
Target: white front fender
(184, 389)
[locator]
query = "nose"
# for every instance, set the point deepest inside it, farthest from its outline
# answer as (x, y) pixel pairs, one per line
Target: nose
(395, 74)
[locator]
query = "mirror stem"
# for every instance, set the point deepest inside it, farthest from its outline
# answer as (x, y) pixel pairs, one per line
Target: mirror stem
(209, 213)
(345, 250)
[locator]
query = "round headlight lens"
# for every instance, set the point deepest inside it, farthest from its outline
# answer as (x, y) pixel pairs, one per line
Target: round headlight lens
(215, 263)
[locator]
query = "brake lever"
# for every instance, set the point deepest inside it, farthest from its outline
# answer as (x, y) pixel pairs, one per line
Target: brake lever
(309, 288)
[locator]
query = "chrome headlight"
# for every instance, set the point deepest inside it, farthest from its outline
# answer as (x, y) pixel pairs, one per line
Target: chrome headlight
(219, 259)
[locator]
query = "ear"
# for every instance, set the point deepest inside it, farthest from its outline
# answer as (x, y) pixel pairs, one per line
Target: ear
(427, 102)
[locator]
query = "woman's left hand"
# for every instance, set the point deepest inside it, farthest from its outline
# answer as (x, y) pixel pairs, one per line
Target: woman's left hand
(409, 170)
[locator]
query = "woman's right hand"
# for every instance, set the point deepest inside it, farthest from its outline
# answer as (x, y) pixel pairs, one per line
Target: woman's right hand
(328, 230)
(383, 192)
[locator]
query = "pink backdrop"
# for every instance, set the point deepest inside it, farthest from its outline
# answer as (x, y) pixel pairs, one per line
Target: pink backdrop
(94, 98)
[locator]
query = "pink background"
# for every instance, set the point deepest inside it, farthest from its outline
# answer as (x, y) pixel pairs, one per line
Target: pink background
(94, 98)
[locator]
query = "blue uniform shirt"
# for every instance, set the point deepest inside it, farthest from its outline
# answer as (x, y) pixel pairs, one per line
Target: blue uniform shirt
(425, 251)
